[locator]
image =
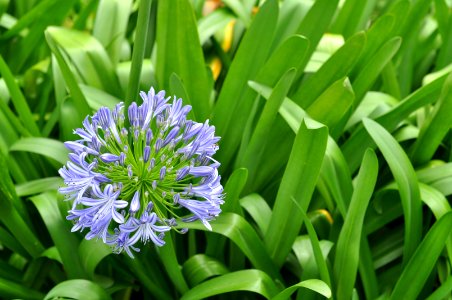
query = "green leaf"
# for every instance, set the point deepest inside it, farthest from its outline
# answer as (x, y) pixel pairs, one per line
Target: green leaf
(337, 67)
(201, 267)
(420, 265)
(235, 94)
(352, 16)
(12, 290)
(233, 189)
(410, 31)
(315, 285)
(247, 280)
(303, 248)
(10, 206)
(146, 78)
(327, 46)
(179, 51)
(316, 249)
(254, 151)
(38, 186)
(9, 272)
(339, 95)
(299, 182)
(239, 9)
(443, 291)
(30, 17)
(72, 119)
(292, 13)
(316, 22)
(435, 201)
(8, 241)
(140, 270)
(79, 100)
(435, 128)
(89, 60)
(48, 147)
(213, 22)
(374, 66)
(405, 177)
(243, 235)
(439, 206)
(91, 253)
(290, 54)
(3, 6)
(141, 37)
(52, 253)
(18, 99)
(357, 144)
(295, 114)
(436, 172)
(168, 256)
(373, 105)
(258, 209)
(380, 32)
(77, 289)
(65, 241)
(335, 180)
(27, 48)
(97, 98)
(177, 88)
(348, 245)
(110, 25)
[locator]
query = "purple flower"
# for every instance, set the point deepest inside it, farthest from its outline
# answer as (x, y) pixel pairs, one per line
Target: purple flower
(125, 180)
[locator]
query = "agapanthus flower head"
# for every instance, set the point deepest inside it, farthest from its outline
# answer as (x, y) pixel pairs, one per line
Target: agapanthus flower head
(132, 183)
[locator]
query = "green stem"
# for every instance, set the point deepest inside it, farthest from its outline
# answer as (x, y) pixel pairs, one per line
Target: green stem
(141, 273)
(138, 50)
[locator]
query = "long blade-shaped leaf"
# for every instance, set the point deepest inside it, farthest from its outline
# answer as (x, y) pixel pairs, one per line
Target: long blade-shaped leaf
(422, 262)
(200, 267)
(18, 99)
(91, 252)
(436, 127)
(254, 151)
(38, 186)
(138, 50)
(246, 280)
(110, 25)
(339, 95)
(357, 144)
(10, 217)
(337, 67)
(243, 235)
(313, 284)
(249, 58)
(406, 180)
(299, 182)
(48, 147)
(348, 245)
(65, 242)
(179, 51)
(12, 290)
(77, 95)
(78, 289)
(370, 72)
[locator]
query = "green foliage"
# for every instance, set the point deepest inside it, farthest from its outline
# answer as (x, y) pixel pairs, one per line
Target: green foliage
(335, 147)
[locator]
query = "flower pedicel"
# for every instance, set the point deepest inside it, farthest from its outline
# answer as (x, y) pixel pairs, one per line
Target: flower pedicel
(133, 184)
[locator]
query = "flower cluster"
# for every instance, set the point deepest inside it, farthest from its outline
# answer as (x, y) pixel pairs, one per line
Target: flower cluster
(131, 182)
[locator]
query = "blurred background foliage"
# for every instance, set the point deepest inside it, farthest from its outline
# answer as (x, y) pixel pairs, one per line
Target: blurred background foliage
(335, 150)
